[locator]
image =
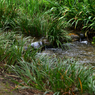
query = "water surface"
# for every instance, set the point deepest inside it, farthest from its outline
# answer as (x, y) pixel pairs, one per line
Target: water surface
(84, 53)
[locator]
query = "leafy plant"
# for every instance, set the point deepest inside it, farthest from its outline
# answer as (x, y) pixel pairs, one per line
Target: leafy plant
(52, 74)
(80, 15)
(36, 29)
(12, 48)
(8, 14)
(93, 42)
(56, 34)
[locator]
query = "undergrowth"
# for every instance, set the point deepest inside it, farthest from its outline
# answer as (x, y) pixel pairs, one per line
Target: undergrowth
(59, 76)
(46, 18)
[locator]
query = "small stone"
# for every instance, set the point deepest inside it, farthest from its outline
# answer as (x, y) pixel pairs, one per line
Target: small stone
(36, 45)
(84, 42)
(82, 35)
(74, 36)
(46, 42)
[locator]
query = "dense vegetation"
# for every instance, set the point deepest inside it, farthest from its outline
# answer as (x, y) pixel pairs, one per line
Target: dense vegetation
(38, 18)
(48, 18)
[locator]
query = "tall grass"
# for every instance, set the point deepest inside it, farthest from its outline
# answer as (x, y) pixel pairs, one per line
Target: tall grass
(8, 13)
(29, 17)
(51, 74)
(81, 14)
(78, 13)
(46, 18)
(46, 73)
(12, 11)
(12, 48)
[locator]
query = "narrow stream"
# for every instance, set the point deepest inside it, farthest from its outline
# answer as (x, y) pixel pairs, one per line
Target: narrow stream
(83, 52)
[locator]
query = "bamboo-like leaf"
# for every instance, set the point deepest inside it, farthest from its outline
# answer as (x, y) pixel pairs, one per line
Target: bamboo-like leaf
(80, 85)
(70, 20)
(76, 22)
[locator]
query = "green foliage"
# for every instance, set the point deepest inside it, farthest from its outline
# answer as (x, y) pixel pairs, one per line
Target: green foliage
(56, 34)
(46, 18)
(49, 73)
(8, 14)
(80, 14)
(30, 18)
(93, 42)
(12, 48)
(28, 15)
(8, 43)
(37, 28)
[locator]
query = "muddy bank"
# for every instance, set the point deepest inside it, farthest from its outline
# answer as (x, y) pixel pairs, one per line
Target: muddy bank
(6, 88)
